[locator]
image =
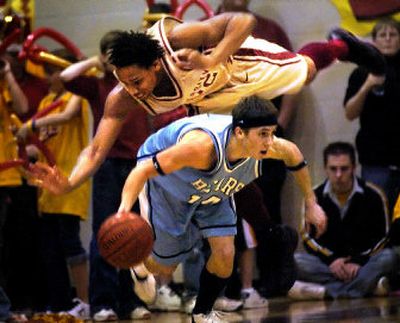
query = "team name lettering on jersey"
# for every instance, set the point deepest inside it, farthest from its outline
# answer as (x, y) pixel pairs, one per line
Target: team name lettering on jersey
(227, 186)
(207, 78)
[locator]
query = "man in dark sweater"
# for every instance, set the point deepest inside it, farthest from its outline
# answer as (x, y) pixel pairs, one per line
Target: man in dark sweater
(350, 259)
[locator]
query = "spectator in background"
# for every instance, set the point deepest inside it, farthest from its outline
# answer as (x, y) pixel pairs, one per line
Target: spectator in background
(110, 290)
(65, 131)
(272, 264)
(23, 288)
(349, 260)
(374, 100)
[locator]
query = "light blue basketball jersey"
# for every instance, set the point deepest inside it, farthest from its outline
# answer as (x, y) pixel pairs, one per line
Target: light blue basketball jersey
(189, 201)
(190, 188)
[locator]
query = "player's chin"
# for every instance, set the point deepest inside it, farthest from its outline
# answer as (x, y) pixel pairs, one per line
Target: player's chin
(262, 155)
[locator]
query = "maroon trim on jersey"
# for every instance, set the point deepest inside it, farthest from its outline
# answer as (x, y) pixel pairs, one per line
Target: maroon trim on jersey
(164, 41)
(147, 107)
(251, 55)
(174, 81)
(166, 46)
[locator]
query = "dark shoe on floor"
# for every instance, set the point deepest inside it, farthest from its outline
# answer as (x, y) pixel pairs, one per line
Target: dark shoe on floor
(360, 53)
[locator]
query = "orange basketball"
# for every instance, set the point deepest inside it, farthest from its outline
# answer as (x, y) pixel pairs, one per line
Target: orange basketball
(125, 239)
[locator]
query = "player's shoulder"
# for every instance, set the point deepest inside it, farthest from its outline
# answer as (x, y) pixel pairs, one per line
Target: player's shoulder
(119, 101)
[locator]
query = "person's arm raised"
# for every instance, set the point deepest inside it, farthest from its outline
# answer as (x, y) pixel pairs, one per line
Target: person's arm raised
(79, 68)
(225, 32)
(195, 150)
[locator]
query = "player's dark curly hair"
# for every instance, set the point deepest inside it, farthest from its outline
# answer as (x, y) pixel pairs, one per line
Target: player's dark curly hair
(134, 48)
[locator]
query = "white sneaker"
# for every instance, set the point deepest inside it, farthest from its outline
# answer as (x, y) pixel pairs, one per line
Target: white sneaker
(212, 317)
(166, 300)
(382, 287)
(188, 305)
(144, 287)
(140, 313)
(81, 310)
(306, 291)
(105, 315)
(253, 299)
(226, 304)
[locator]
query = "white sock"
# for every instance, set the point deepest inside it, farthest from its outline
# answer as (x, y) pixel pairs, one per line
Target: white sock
(247, 290)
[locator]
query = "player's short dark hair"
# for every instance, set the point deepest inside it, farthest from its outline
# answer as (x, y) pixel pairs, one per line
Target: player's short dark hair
(134, 48)
(107, 39)
(340, 148)
(254, 111)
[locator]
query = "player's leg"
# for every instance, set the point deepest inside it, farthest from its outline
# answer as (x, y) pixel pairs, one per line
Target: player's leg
(215, 274)
(143, 277)
(343, 46)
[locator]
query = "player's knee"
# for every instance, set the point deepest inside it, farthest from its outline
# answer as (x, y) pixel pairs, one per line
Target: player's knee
(225, 255)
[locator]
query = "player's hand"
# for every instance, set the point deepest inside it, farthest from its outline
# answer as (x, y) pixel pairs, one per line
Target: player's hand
(190, 59)
(50, 178)
(315, 215)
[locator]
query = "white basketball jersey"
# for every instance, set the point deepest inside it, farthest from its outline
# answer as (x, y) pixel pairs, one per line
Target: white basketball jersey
(258, 67)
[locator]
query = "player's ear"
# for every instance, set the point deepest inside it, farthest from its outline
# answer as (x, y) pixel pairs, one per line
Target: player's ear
(238, 131)
(157, 65)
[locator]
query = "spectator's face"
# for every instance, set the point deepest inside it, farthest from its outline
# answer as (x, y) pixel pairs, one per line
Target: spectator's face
(256, 142)
(387, 40)
(234, 5)
(340, 172)
(139, 82)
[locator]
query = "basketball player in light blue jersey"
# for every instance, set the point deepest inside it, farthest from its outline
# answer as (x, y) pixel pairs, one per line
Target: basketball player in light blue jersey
(185, 179)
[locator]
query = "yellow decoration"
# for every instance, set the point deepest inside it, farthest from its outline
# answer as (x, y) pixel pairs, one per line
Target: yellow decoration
(349, 21)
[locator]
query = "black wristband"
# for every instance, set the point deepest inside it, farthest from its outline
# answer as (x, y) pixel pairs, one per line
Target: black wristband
(157, 166)
(297, 167)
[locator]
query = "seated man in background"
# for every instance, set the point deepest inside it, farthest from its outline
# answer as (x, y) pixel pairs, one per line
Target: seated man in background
(349, 260)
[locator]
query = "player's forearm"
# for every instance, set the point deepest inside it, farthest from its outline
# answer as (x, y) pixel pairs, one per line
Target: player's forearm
(88, 162)
(303, 180)
(132, 188)
(238, 28)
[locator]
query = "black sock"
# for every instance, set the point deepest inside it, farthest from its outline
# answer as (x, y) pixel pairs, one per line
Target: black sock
(210, 288)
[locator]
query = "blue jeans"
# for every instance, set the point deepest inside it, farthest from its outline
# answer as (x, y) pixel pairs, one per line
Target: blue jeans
(386, 178)
(312, 269)
(109, 288)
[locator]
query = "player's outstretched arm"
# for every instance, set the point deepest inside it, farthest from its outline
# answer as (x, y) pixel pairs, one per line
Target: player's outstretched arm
(118, 104)
(195, 150)
(294, 160)
(225, 32)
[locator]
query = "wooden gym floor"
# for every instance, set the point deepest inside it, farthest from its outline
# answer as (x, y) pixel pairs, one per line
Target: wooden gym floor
(282, 310)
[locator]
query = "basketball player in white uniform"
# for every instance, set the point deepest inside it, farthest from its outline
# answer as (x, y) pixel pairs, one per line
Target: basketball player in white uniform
(258, 66)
